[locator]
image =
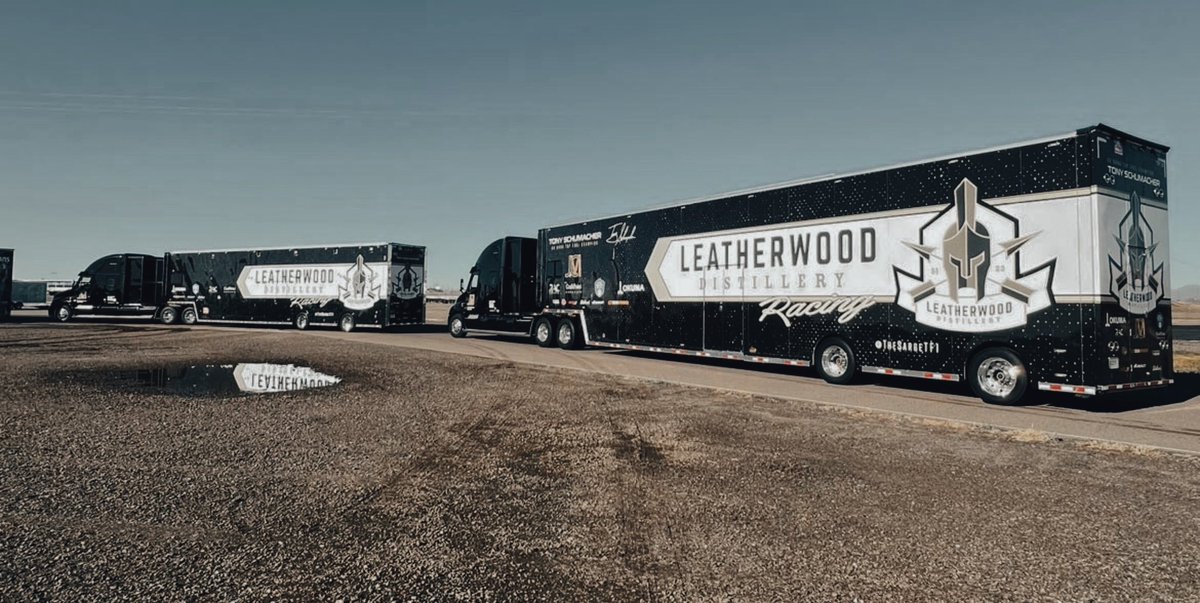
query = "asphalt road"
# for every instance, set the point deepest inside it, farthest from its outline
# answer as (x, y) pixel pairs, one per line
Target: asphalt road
(1164, 418)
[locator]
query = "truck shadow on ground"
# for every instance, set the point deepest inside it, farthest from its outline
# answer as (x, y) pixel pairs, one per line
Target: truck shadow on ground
(1186, 387)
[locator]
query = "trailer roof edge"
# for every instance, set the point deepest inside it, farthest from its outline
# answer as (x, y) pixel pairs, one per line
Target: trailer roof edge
(277, 248)
(836, 176)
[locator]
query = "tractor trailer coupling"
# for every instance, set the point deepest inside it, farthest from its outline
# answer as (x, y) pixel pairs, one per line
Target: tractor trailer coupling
(1041, 265)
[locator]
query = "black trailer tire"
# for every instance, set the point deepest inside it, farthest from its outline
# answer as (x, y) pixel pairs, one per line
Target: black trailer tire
(543, 332)
(60, 312)
(188, 316)
(168, 315)
(567, 334)
(300, 320)
(998, 376)
(835, 361)
(458, 328)
(346, 322)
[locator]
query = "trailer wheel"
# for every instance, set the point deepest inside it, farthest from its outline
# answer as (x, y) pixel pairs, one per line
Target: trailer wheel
(543, 332)
(167, 315)
(301, 320)
(457, 327)
(60, 312)
(835, 361)
(998, 376)
(568, 334)
(189, 316)
(346, 322)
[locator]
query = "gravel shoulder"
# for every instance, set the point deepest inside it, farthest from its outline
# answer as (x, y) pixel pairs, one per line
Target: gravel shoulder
(441, 476)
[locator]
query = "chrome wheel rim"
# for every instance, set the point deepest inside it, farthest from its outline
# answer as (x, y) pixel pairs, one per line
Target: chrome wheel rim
(168, 316)
(543, 331)
(189, 317)
(302, 321)
(347, 324)
(565, 334)
(998, 377)
(456, 326)
(63, 313)
(835, 361)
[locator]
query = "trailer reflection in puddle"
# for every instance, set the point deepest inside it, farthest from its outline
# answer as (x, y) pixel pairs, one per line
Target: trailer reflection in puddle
(242, 378)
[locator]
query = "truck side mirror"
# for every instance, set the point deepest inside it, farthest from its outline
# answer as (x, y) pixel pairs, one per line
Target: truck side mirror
(460, 285)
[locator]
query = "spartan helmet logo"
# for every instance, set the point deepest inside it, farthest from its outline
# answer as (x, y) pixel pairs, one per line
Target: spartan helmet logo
(359, 278)
(1134, 246)
(966, 249)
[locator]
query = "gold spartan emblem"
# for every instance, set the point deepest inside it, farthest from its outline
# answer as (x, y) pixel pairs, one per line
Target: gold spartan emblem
(967, 252)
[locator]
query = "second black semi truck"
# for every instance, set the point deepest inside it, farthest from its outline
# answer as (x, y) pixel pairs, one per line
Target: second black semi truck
(366, 284)
(1042, 264)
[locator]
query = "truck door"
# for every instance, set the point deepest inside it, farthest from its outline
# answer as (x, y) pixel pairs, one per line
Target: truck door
(134, 280)
(484, 297)
(107, 282)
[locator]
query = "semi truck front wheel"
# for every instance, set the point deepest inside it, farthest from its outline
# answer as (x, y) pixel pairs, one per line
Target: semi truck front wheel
(998, 376)
(835, 361)
(60, 312)
(543, 332)
(457, 327)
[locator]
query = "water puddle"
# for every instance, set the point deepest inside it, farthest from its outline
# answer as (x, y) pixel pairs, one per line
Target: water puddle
(226, 379)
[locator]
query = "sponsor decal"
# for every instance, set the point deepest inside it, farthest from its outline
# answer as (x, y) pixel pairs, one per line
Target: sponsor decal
(574, 266)
(586, 239)
(1117, 148)
(632, 288)
(1133, 276)
(785, 309)
(598, 287)
(1110, 320)
(407, 281)
(918, 347)
(261, 378)
(357, 287)
(969, 279)
(620, 232)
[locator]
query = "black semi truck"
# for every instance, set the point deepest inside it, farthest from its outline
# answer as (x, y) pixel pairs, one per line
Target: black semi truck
(6, 282)
(1042, 264)
(354, 285)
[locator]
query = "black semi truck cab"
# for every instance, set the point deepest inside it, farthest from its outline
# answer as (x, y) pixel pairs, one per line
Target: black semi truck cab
(122, 284)
(502, 295)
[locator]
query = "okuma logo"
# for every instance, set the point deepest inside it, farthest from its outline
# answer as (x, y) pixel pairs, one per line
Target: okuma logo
(1133, 276)
(969, 277)
(361, 286)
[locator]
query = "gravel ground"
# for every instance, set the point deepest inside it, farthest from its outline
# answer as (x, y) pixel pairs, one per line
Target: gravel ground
(442, 477)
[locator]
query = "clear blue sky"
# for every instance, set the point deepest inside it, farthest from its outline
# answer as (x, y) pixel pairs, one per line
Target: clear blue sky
(149, 126)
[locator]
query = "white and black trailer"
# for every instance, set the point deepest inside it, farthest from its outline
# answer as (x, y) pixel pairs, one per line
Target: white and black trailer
(353, 285)
(1042, 264)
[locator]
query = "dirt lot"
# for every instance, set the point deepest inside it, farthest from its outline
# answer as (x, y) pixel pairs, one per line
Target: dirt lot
(1185, 313)
(443, 477)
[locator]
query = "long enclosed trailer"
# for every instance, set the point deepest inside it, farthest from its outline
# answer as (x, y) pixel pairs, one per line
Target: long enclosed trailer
(1041, 264)
(6, 282)
(368, 284)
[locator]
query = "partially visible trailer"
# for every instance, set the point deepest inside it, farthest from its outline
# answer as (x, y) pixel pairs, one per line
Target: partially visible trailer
(6, 281)
(1040, 264)
(367, 284)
